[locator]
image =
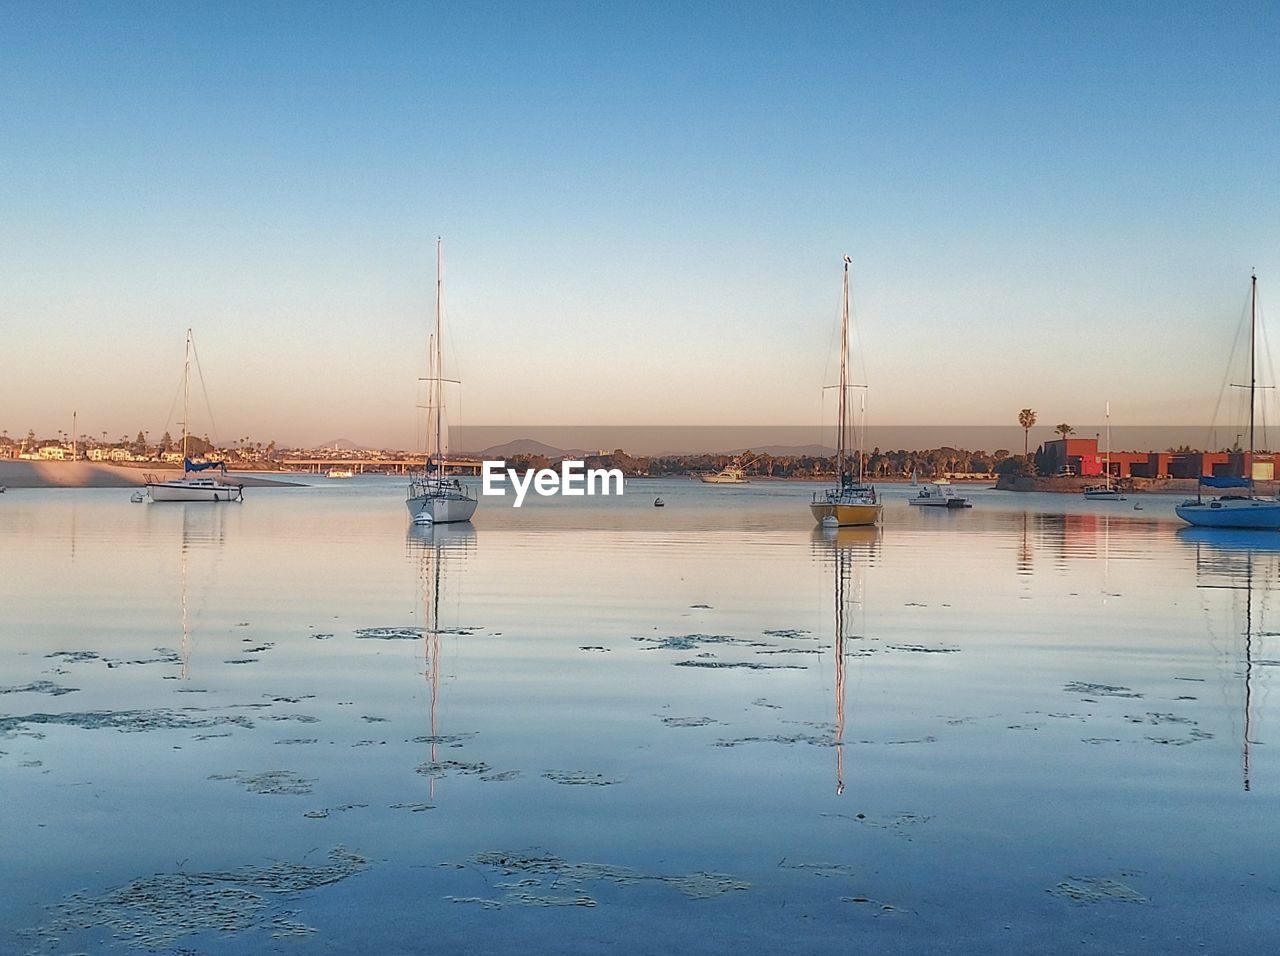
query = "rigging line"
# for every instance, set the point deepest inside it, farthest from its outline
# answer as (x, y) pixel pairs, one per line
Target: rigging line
(208, 408)
(1237, 345)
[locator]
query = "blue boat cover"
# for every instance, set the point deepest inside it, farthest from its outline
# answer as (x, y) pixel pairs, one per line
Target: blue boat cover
(1225, 481)
(189, 465)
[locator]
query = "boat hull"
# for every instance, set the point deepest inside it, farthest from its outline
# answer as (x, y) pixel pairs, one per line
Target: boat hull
(846, 515)
(720, 480)
(180, 490)
(1104, 496)
(441, 510)
(1259, 513)
(939, 502)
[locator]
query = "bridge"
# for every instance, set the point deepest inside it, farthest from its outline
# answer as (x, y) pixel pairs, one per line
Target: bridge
(391, 466)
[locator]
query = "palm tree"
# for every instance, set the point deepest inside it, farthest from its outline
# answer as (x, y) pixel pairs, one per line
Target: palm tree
(1064, 430)
(1026, 418)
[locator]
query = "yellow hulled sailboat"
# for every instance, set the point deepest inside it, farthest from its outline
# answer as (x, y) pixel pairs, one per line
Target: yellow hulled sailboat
(851, 502)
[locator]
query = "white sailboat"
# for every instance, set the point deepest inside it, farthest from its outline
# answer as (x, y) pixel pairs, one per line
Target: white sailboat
(192, 486)
(435, 498)
(1105, 491)
(851, 502)
(1236, 510)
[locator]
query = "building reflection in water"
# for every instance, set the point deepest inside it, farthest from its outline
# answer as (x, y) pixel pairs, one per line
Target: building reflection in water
(848, 551)
(438, 550)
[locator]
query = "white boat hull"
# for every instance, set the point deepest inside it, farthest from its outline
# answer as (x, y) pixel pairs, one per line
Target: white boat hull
(194, 489)
(939, 502)
(441, 510)
(1259, 513)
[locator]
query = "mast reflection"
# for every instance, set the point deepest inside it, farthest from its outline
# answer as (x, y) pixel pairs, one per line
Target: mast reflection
(849, 550)
(1246, 562)
(436, 548)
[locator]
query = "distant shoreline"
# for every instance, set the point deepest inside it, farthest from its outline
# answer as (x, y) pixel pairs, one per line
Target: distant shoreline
(16, 473)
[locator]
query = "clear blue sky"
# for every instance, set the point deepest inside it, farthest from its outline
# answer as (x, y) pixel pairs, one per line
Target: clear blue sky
(644, 208)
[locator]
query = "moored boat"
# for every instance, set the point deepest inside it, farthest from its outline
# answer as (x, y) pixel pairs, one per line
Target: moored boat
(1245, 509)
(434, 496)
(939, 495)
(193, 486)
(851, 502)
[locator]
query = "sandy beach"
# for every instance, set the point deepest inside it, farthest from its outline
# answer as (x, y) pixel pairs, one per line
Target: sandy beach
(15, 473)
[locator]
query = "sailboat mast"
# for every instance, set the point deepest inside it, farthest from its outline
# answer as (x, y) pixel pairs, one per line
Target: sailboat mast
(186, 399)
(1108, 459)
(437, 371)
(1253, 368)
(841, 445)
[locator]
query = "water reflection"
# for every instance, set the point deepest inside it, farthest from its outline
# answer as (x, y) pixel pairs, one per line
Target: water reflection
(850, 551)
(437, 550)
(1246, 563)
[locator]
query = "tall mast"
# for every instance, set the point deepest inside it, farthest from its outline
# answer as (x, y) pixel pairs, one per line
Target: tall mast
(1253, 368)
(438, 371)
(186, 398)
(844, 375)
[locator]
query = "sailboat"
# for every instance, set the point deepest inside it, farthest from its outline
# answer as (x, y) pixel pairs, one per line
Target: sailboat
(851, 502)
(1105, 491)
(1231, 510)
(191, 486)
(433, 497)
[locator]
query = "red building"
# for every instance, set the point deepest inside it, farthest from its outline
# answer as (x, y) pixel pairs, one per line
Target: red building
(1080, 456)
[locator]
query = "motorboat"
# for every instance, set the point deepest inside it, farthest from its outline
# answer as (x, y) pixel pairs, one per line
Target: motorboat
(939, 495)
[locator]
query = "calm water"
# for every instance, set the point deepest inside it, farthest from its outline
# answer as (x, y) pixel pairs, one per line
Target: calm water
(299, 725)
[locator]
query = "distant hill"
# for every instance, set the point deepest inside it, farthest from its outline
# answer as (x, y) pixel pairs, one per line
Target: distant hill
(778, 451)
(528, 446)
(341, 444)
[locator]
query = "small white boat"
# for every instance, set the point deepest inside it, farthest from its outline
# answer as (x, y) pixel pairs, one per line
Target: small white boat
(729, 475)
(434, 497)
(339, 473)
(939, 495)
(188, 488)
(1105, 491)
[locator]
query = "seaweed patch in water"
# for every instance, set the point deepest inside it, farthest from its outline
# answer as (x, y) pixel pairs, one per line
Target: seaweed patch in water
(742, 665)
(442, 768)
(1096, 889)
(326, 811)
(545, 871)
(921, 649)
(793, 633)
(158, 912)
(779, 739)
(447, 740)
(689, 721)
(299, 740)
(389, 633)
(579, 778)
(691, 642)
(500, 776)
(1098, 690)
(413, 807)
(39, 687)
(594, 647)
(271, 782)
(128, 721)
(75, 657)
